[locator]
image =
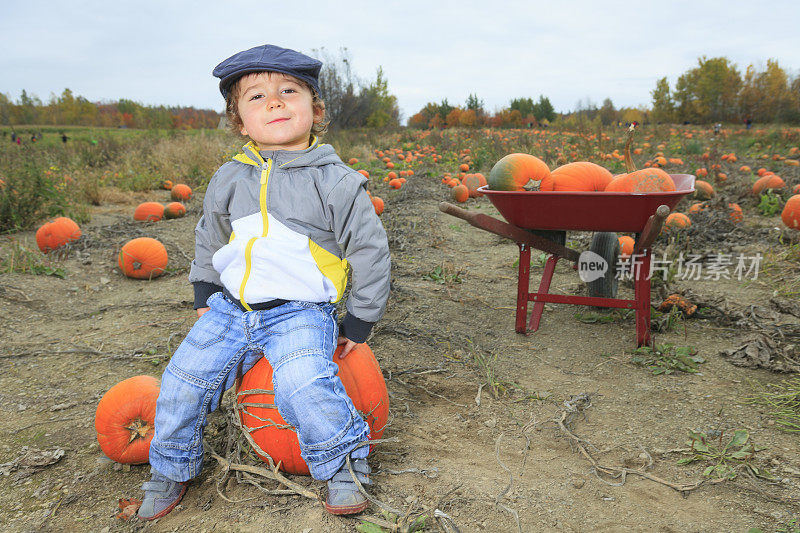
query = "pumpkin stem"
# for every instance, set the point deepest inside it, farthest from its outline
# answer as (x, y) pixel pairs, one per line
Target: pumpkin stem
(629, 166)
(138, 429)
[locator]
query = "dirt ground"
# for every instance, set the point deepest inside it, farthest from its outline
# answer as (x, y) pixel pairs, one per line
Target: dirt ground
(475, 407)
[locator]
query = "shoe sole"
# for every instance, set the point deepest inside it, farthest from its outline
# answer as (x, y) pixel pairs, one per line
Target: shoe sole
(346, 509)
(166, 511)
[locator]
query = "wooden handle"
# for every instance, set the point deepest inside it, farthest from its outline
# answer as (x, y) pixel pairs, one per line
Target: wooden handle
(651, 229)
(509, 231)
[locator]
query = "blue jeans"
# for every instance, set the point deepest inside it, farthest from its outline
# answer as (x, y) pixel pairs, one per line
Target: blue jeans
(298, 339)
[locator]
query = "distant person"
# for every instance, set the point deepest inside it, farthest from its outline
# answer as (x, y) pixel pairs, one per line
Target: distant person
(717, 128)
(64, 138)
(275, 297)
(33, 138)
(13, 136)
(748, 123)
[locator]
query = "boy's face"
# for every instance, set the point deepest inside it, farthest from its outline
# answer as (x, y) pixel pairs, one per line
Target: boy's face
(276, 111)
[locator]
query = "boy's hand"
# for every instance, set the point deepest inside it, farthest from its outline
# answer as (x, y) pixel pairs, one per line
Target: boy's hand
(348, 346)
(201, 311)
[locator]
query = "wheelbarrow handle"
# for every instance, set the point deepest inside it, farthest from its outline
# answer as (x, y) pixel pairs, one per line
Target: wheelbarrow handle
(651, 229)
(509, 231)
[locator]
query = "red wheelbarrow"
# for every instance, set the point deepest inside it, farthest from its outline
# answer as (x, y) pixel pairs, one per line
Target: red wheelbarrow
(540, 219)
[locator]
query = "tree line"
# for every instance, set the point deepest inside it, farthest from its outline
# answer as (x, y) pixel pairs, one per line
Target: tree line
(522, 112)
(70, 110)
(715, 91)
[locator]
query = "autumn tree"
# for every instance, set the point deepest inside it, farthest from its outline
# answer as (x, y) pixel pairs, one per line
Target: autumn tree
(663, 105)
(607, 113)
(775, 94)
(475, 105)
(708, 92)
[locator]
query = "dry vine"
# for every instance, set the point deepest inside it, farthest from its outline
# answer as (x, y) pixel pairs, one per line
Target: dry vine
(577, 404)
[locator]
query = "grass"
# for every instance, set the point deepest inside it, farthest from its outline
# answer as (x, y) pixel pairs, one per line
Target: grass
(18, 258)
(49, 178)
(782, 402)
(444, 274)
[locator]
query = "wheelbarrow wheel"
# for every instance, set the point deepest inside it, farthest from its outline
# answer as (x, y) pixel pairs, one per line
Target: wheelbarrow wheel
(606, 245)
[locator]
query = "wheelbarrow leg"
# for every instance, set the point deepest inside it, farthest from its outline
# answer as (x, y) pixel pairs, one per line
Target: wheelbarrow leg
(641, 287)
(544, 288)
(522, 286)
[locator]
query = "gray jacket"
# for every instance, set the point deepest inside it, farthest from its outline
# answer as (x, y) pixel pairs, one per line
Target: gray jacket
(289, 225)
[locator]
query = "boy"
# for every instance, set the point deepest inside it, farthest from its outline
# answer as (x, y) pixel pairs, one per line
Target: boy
(282, 223)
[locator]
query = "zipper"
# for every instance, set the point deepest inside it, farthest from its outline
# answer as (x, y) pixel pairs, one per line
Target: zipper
(266, 170)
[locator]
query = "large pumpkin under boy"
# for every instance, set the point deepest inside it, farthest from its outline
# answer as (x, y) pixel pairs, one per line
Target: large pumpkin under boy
(362, 379)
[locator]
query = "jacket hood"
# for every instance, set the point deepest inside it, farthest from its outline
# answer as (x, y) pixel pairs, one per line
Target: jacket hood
(314, 156)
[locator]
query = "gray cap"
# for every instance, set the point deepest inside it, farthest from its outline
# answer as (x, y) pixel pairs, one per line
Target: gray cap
(267, 57)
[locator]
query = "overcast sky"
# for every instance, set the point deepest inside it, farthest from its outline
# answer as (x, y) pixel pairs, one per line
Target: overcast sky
(163, 52)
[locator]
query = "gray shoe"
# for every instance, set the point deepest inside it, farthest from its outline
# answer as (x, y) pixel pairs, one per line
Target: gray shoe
(161, 495)
(343, 494)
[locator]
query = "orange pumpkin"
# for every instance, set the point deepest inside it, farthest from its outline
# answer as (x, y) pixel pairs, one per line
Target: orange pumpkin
(174, 210)
(57, 233)
(791, 212)
(377, 203)
(181, 192)
(735, 212)
(626, 244)
(472, 182)
(460, 193)
(352, 161)
(124, 419)
(703, 190)
(646, 180)
(142, 258)
(167, 185)
(697, 207)
(362, 379)
(364, 173)
(768, 181)
(395, 183)
(578, 176)
(148, 212)
(514, 171)
(677, 221)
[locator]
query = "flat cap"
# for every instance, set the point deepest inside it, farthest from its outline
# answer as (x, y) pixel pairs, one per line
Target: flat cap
(267, 57)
